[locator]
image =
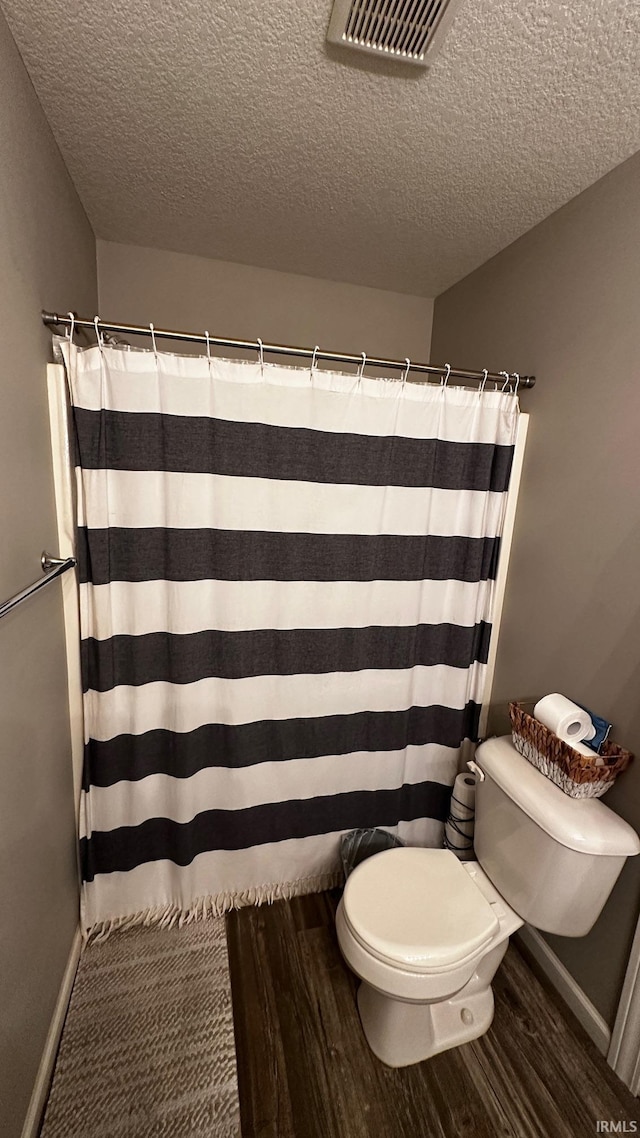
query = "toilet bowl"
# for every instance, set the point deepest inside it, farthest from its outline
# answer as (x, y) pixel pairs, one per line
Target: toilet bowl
(426, 933)
(426, 971)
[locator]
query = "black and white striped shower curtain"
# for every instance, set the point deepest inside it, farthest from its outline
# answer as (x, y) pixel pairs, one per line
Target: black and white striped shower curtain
(286, 589)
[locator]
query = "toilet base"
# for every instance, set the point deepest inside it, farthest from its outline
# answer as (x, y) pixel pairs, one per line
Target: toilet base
(401, 1033)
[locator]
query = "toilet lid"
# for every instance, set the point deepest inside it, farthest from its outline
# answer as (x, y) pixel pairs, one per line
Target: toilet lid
(418, 908)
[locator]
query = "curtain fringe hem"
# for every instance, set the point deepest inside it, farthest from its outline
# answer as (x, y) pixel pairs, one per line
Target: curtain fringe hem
(212, 905)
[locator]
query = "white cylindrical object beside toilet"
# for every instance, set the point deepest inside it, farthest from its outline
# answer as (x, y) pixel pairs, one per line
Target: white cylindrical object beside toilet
(458, 830)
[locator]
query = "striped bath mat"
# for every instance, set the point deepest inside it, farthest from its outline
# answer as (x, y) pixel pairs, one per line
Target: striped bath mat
(147, 1049)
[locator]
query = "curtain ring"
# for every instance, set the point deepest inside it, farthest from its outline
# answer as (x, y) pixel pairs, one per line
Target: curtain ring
(517, 375)
(153, 341)
(260, 355)
(206, 335)
(99, 338)
(445, 380)
(485, 376)
(507, 379)
(72, 316)
(406, 370)
(362, 366)
(314, 361)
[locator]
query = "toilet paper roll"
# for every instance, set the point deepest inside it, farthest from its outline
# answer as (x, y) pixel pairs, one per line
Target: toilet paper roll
(458, 830)
(463, 796)
(584, 750)
(568, 721)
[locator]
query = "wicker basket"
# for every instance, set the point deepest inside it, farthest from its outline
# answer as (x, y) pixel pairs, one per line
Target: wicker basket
(577, 775)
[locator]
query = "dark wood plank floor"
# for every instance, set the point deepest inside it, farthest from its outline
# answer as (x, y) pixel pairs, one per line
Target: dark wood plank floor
(305, 1070)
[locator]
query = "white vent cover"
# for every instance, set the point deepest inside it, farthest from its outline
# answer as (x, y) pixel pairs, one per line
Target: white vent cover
(407, 30)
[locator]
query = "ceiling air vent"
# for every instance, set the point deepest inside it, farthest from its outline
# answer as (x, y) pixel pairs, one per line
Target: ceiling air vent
(407, 30)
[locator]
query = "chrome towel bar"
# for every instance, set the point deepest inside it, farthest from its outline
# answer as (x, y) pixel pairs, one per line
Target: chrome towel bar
(52, 567)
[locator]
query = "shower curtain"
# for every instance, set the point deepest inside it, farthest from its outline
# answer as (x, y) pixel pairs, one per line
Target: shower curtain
(286, 588)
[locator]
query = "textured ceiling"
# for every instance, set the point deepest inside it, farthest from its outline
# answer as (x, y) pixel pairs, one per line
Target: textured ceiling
(230, 130)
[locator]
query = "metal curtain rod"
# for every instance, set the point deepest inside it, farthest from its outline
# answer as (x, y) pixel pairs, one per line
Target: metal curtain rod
(502, 377)
(52, 567)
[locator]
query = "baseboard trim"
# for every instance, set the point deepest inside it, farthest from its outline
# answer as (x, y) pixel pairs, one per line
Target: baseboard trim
(565, 985)
(41, 1086)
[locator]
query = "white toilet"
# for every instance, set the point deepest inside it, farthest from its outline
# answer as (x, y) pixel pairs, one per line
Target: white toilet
(425, 932)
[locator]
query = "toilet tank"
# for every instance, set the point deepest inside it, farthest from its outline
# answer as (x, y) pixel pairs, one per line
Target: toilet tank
(554, 859)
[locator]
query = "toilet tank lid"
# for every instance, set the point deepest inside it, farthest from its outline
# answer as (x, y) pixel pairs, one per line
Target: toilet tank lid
(582, 824)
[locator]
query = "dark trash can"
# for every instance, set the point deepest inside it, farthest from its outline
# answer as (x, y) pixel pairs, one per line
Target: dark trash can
(360, 844)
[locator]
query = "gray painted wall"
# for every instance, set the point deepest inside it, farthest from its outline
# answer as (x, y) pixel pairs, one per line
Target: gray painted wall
(563, 302)
(47, 259)
(176, 290)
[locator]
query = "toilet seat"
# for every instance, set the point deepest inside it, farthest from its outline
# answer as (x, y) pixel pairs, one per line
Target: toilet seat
(418, 910)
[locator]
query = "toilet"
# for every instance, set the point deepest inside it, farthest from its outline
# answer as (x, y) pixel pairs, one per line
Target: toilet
(426, 932)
